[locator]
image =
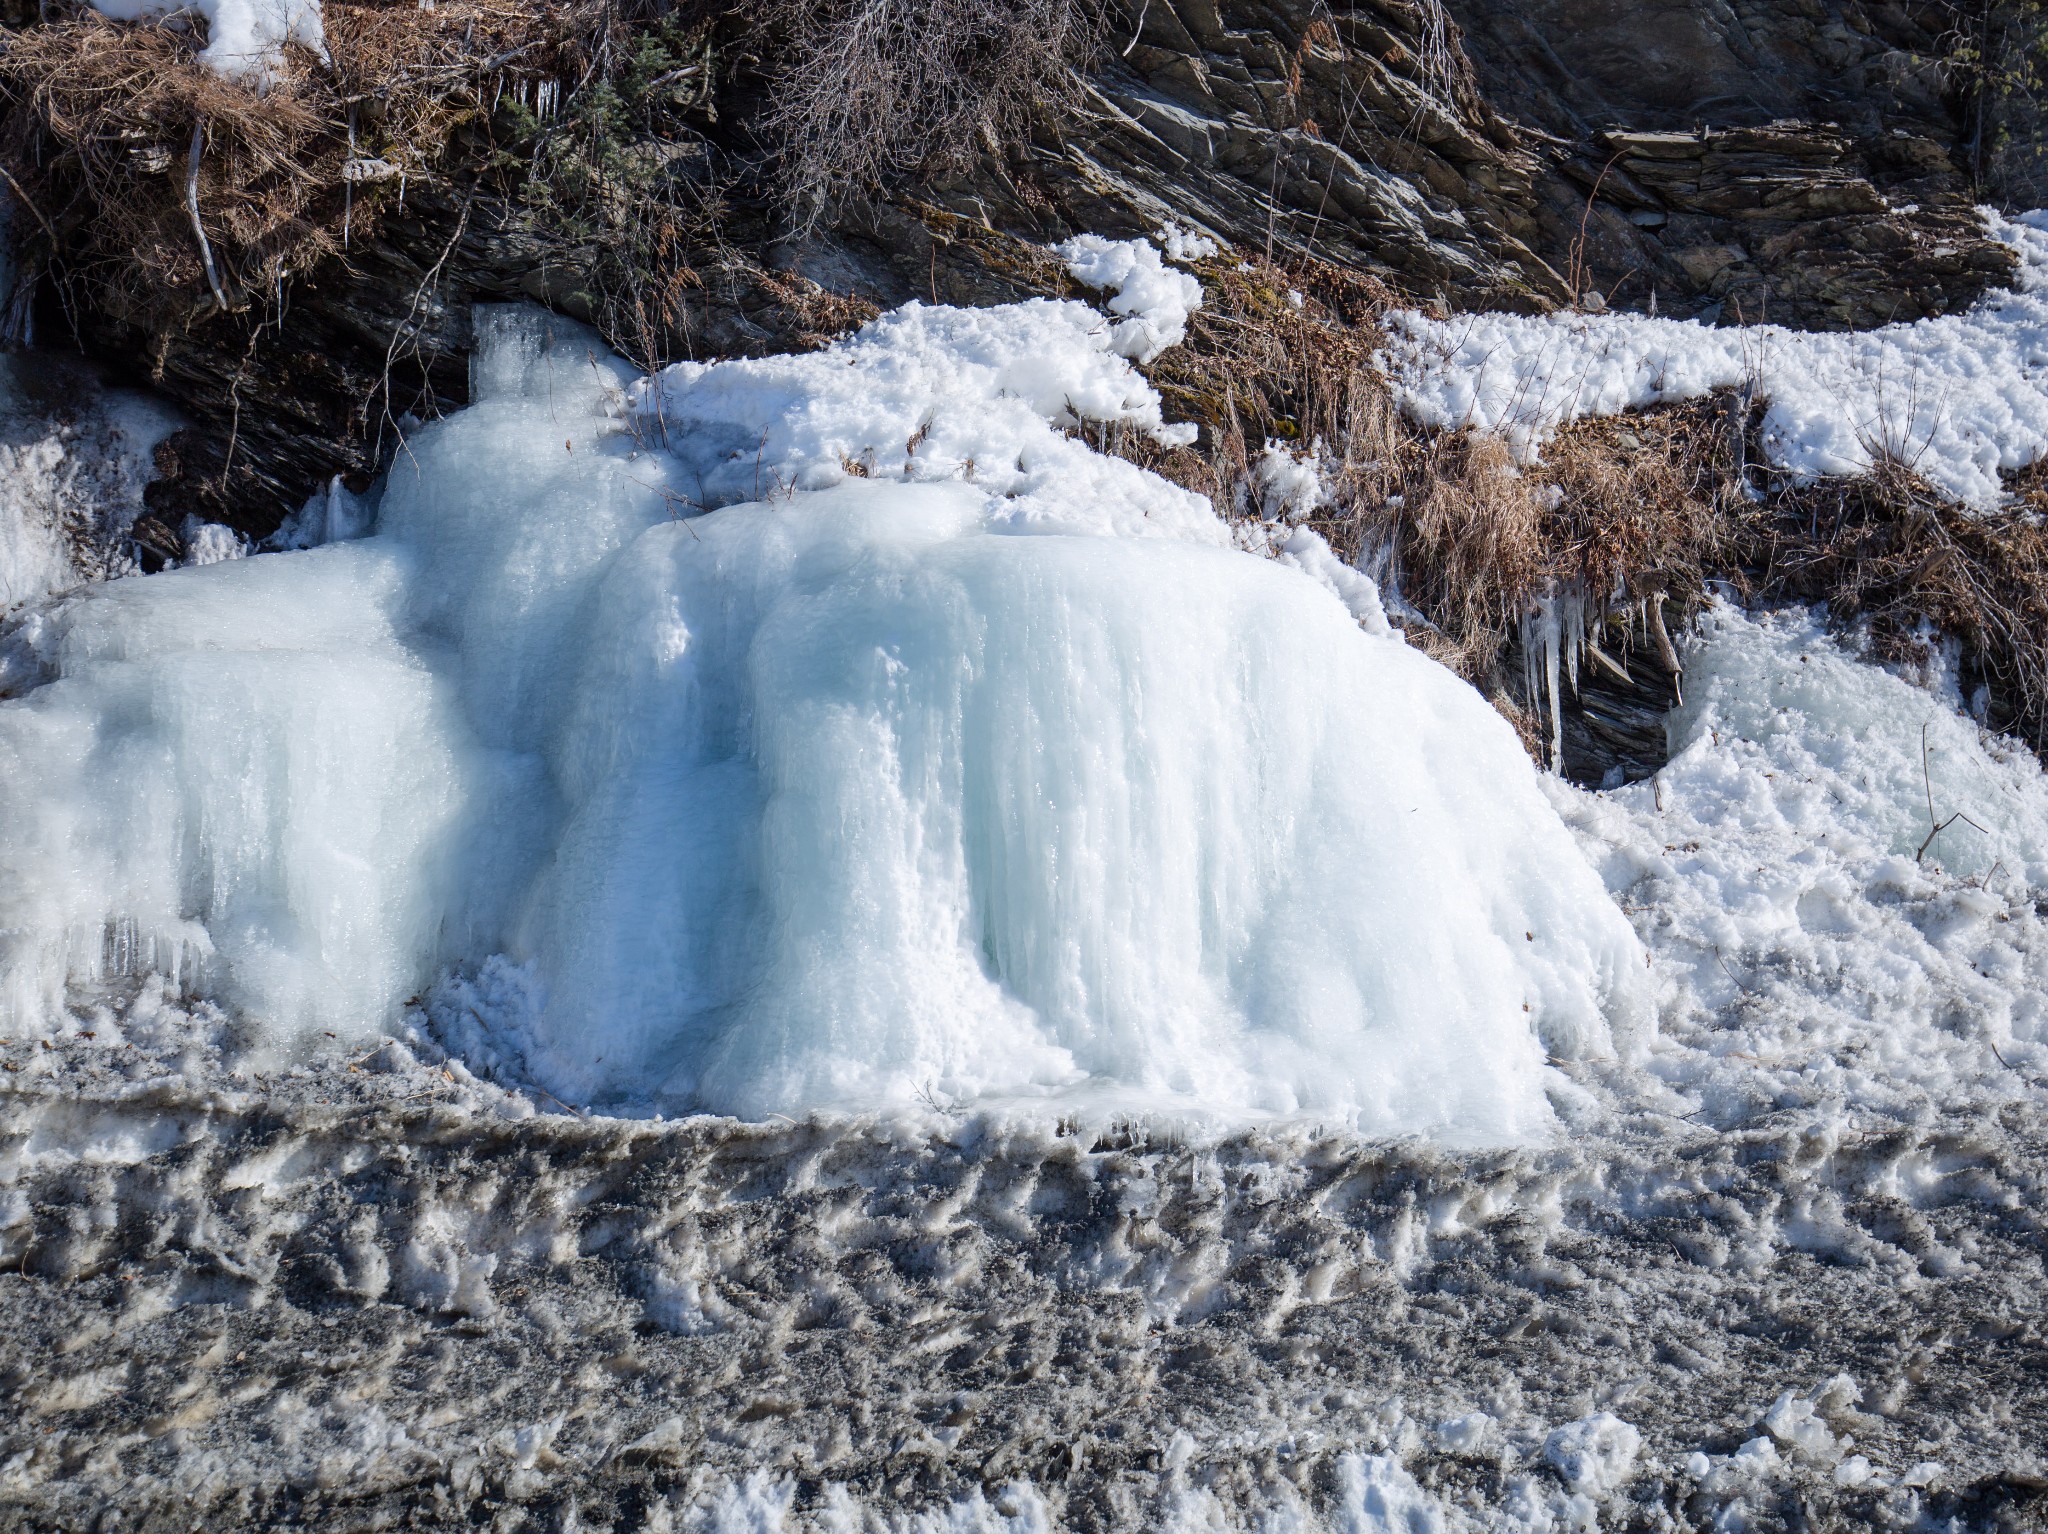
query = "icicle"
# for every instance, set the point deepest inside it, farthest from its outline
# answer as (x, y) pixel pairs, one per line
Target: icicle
(1554, 637)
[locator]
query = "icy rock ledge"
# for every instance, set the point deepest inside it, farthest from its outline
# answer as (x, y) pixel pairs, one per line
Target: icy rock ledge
(949, 760)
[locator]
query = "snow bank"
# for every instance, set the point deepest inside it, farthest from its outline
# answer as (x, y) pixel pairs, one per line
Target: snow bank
(934, 395)
(1808, 953)
(989, 771)
(1960, 397)
(245, 39)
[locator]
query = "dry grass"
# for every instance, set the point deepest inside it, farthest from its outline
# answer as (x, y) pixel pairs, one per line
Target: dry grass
(1623, 512)
(1470, 539)
(1886, 552)
(101, 140)
(101, 146)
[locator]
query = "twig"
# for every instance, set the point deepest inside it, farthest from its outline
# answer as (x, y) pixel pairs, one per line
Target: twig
(22, 198)
(1731, 974)
(544, 1092)
(1143, 11)
(1577, 268)
(398, 334)
(1927, 781)
(192, 207)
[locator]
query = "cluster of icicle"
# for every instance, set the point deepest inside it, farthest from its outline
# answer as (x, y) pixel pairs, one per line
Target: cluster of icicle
(1559, 631)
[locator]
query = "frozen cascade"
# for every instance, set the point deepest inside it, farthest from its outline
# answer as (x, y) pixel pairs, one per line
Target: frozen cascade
(966, 764)
(74, 457)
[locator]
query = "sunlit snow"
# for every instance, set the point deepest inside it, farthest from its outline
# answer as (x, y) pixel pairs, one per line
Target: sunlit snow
(245, 39)
(1960, 397)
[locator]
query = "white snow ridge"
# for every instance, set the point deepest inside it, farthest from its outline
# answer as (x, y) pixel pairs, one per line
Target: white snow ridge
(947, 759)
(1960, 397)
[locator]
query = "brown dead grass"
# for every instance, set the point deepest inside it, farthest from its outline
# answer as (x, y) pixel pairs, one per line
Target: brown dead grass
(1472, 538)
(1627, 511)
(100, 139)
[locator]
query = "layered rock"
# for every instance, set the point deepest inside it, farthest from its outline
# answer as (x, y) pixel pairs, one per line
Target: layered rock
(1805, 161)
(1792, 161)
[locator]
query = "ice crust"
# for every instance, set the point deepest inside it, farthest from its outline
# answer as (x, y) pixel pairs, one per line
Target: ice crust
(1959, 397)
(1808, 955)
(845, 796)
(245, 39)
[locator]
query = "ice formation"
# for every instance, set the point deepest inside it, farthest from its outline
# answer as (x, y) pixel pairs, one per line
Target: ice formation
(73, 460)
(1960, 397)
(948, 759)
(245, 39)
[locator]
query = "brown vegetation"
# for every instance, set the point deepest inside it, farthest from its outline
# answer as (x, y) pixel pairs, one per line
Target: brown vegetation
(1626, 515)
(865, 89)
(169, 189)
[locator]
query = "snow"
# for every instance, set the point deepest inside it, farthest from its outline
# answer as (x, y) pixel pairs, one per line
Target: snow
(1184, 244)
(1289, 485)
(923, 395)
(74, 457)
(948, 761)
(210, 543)
(1960, 397)
(1155, 300)
(1595, 1454)
(245, 39)
(1806, 956)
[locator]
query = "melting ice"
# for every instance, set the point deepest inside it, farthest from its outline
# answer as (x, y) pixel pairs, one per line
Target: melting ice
(810, 732)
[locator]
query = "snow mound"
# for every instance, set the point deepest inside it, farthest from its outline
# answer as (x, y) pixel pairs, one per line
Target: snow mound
(1814, 948)
(1155, 301)
(925, 395)
(945, 781)
(1960, 397)
(245, 39)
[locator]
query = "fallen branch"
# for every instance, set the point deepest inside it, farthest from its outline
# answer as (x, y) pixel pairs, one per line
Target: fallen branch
(192, 207)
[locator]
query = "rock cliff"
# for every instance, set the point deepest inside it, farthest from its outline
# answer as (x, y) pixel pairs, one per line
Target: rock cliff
(1804, 160)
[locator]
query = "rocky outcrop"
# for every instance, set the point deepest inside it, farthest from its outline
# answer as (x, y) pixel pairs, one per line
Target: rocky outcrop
(1803, 159)
(1784, 222)
(1797, 160)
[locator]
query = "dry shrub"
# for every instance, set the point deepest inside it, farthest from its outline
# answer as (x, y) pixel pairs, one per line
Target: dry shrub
(865, 89)
(1466, 539)
(1622, 514)
(1618, 510)
(101, 148)
(1887, 553)
(1273, 355)
(100, 141)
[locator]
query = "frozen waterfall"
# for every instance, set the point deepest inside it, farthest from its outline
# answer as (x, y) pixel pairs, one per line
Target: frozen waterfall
(816, 732)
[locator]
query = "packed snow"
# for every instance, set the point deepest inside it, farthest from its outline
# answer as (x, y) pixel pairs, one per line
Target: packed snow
(1961, 398)
(245, 39)
(947, 760)
(1154, 300)
(1818, 946)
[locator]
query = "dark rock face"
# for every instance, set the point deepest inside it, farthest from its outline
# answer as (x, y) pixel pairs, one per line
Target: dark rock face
(1800, 162)
(1357, 136)
(1796, 161)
